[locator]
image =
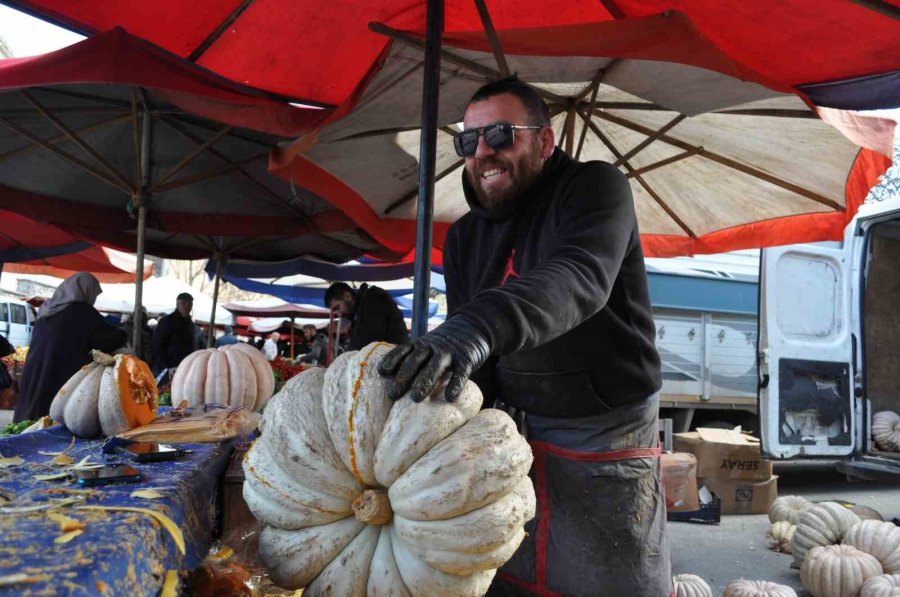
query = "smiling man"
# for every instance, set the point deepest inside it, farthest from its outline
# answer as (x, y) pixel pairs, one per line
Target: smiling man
(550, 315)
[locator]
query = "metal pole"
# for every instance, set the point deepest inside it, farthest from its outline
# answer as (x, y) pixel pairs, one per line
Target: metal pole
(434, 25)
(140, 199)
(211, 334)
(292, 338)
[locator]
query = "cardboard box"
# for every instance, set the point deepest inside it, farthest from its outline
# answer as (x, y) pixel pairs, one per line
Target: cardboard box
(679, 472)
(744, 497)
(724, 454)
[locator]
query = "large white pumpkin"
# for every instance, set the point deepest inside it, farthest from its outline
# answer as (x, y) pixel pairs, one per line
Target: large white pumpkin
(236, 375)
(757, 588)
(788, 508)
(886, 430)
(880, 539)
(360, 495)
(782, 532)
(691, 585)
(109, 395)
(837, 571)
(823, 524)
(886, 585)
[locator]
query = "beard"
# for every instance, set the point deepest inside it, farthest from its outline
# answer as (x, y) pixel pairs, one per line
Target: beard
(522, 173)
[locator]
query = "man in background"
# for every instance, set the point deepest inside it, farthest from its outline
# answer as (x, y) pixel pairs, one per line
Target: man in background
(227, 338)
(270, 347)
(375, 315)
(175, 336)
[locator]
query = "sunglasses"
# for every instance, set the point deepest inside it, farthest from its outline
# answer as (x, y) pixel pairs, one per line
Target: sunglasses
(500, 135)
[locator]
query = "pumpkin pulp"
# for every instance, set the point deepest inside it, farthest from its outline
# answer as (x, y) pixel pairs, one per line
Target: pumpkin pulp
(137, 391)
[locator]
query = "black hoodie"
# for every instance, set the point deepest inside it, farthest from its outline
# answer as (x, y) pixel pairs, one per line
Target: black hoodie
(557, 283)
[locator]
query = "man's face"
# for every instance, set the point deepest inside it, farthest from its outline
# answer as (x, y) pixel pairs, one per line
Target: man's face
(500, 177)
(345, 306)
(309, 333)
(184, 307)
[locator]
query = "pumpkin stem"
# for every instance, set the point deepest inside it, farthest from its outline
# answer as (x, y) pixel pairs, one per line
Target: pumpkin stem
(373, 507)
(101, 358)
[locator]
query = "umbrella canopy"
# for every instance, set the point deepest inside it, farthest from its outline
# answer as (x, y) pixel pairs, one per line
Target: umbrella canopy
(94, 132)
(29, 247)
(320, 51)
(160, 294)
(275, 308)
(719, 157)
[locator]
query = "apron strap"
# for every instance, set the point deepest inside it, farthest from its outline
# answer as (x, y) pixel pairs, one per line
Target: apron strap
(596, 456)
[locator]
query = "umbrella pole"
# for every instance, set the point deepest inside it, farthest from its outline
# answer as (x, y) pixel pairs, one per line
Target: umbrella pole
(292, 338)
(137, 323)
(139, 200)
(434, 25)
(212, 318)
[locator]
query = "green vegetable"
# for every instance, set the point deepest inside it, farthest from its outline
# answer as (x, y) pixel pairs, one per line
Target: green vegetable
(15, 428)
(165, 399)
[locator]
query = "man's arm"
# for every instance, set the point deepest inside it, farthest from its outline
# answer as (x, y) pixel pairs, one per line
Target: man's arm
(161, 341)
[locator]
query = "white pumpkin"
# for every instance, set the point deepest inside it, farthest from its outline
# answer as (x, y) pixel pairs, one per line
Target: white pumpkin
(691, 585)
(823, 524)
(789, 508)
(886, 430)
(360, 495)
(837, 571)
(886, 585)
(782, 532)
(109, 396)
(757, 588)
(235, 375)
(880, 539)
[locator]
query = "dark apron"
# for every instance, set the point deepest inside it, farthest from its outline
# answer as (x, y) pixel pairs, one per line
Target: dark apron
(600, 527)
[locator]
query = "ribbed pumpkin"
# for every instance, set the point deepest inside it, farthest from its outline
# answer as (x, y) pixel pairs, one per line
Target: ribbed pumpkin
(360, 495)
(757, 588)
(109, 395)
(879, 539)
(886, 585)
(886, 430)
(691, 585)
(236, 375)
(789, 508)
(837, 571)
(782, 532)
(823, 524)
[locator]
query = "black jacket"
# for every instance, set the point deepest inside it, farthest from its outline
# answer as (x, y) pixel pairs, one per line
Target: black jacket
(557, 283)
(377, 318)
(175, 337)
(61, 345)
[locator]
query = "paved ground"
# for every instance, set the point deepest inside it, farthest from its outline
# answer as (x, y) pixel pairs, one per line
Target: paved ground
(739, 548)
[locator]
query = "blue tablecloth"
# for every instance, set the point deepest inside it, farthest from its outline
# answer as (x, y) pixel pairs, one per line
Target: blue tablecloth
(119, 553)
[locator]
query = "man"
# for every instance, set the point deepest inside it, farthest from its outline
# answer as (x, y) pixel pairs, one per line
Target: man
(227, 338)
(270, 347)
(375, 315)
(318, 346)
(175, 336)
(550, 310)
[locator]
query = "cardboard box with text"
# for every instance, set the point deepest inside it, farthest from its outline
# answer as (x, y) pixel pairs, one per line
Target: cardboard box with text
(744, 497)
(724, 454)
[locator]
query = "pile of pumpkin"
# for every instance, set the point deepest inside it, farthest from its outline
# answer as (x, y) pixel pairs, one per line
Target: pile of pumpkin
(886, 431)
(114, 394)
(360, 495)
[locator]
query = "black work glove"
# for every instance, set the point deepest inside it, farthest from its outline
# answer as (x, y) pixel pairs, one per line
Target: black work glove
(454, 349)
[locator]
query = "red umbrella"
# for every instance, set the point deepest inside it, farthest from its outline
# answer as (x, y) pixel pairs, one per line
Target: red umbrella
(29, 247)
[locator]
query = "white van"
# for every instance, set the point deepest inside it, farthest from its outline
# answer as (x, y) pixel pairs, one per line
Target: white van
(829, 344)
(16, 321)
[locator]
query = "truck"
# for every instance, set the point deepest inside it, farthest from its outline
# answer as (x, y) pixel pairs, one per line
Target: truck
(828, 343)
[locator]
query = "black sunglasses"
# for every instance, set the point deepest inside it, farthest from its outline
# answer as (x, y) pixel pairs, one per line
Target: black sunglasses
(500, 135)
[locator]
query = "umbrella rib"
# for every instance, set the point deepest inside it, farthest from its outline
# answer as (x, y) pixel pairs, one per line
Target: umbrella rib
(728, 162)
(774, 112)
(190, 157)
(218, 31)
(665, 162)
(229, 166)
(569, 131)
(656, 135)
(491, 33)
(881, 7)
(473, 66)
(73, 136)
(404, 200)
(595, 88)
(659, 200)
(64, 155)
(61, 138)
(614, 11)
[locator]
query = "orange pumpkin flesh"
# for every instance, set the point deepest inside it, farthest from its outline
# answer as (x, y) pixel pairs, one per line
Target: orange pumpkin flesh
(137, 391)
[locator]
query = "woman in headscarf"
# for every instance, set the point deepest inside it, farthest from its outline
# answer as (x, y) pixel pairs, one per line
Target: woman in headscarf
(67, 329)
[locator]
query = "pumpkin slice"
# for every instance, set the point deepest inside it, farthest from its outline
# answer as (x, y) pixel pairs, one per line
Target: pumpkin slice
(347, 574)
(128, 396)
(422, 579)
(384, 576)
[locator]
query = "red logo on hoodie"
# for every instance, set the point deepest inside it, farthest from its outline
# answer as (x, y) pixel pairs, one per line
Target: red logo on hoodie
(510, 269)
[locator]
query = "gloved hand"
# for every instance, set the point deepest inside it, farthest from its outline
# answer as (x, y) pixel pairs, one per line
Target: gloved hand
(455, 348)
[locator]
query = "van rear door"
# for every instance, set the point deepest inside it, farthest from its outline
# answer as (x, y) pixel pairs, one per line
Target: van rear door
(806, 395)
